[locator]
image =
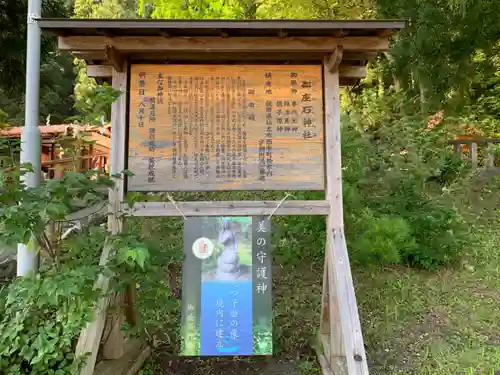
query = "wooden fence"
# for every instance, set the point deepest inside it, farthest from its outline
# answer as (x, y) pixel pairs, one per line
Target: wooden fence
(479, 152)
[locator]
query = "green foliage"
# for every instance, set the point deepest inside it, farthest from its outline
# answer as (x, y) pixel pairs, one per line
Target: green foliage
(41, 316)
(198, 9)
(104, 9)
(93, 102)
(56, 73)
(130, 252)
(13, 40)
(397, 180)
(317, 9)
(301, 238)
(44, 205)
(435, 56)
(398, 186)
(380, 239)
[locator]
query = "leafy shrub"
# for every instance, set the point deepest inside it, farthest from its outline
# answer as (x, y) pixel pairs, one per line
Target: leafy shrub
(382, 239)
(300, 238)
(41, 316)
(396, 174)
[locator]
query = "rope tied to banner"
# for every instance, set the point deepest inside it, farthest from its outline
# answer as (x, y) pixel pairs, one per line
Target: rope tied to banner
(288, 195)
(279, 205)
(176, 206)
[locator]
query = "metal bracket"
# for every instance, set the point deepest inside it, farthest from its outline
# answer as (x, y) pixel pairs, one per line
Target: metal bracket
(32, 18)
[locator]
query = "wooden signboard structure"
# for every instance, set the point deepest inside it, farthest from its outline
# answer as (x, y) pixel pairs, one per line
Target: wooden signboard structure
(231, 105)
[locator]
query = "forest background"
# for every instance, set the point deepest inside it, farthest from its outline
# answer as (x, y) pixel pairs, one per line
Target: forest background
(422, 227)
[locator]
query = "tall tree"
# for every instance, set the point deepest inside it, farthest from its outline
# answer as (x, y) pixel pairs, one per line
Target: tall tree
(199, 9)
(56, 74)
(85, 86)
(434, 55)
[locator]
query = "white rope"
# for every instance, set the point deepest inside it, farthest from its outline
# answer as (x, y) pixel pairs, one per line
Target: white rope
(269, 217)
(279, 205)
(175, 205)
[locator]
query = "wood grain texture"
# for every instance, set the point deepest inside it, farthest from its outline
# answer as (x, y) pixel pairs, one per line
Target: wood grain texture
(269, 118)
(214, 45)
(113, 346)
(473, 155)
(347, 350)
(352, 71)
(233, 208)
(113, 336)
(136, 352)
(335, 59)
(90, 337)
(99, 71)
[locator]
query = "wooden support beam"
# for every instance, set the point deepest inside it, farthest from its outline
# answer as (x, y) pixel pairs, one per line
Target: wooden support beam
(115, 58)
(164, 33)
(234, 208)
(131, 313)
(359, 56)
(103, 71)
(343, 346)
(385, 33)
(348, 81)
(136, 352)
(335, 59)
(218, 44)
(113, 347)
(90, 338)
(346, 71)
(117, 151)
(113, 334)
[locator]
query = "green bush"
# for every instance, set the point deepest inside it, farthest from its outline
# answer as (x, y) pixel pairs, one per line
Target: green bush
(381, 239)
(41, 317)
(396, 175)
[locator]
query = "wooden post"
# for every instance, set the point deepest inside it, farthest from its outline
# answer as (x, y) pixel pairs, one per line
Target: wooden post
(341, 329)
(473, 155)
(114, 345)
(490, 161)
(90, 338)
(131, 313)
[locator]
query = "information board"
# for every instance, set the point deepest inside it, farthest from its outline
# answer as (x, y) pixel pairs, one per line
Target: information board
(226, 287)
(218, 127)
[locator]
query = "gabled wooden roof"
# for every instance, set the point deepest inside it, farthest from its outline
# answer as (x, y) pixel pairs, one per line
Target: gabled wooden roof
(211, 28)
(112, 41)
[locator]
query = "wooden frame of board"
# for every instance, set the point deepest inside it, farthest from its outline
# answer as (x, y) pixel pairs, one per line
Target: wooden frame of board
(340, 50)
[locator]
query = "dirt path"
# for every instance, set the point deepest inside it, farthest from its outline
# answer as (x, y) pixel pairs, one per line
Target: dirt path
(258, 366)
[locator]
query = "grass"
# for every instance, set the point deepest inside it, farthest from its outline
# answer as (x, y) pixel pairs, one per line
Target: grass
(414, 322)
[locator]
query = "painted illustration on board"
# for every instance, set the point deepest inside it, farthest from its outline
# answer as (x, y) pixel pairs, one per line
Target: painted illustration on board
(226, 307)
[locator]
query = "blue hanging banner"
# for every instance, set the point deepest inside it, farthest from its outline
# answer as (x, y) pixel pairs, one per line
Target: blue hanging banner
(226, 287)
